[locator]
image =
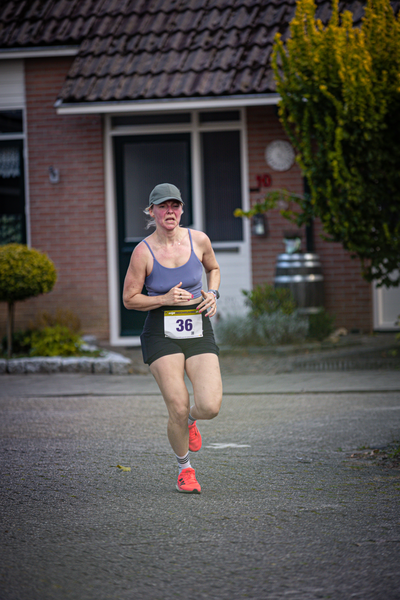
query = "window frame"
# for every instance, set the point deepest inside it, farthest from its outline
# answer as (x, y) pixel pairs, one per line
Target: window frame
(21, 136)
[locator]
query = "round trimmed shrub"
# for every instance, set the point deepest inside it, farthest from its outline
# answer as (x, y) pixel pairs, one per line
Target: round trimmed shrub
(24, 273)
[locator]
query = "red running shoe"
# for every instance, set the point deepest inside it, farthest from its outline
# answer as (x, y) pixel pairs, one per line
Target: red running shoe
(194, 438)
(187, 482)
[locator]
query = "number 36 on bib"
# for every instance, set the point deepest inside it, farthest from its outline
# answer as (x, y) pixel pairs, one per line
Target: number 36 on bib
(183, 324)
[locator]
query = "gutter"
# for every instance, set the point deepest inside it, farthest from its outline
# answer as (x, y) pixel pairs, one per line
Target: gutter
(137, 106)
(38, 52)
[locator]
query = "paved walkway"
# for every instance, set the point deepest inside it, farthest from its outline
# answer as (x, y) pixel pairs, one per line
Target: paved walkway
(285, 511)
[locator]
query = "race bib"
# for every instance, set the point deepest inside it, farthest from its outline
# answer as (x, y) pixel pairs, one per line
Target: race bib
(183, 324)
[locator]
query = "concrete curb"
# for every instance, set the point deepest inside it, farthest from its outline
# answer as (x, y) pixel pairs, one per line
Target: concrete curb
(346, 364)
(111, 363)
(352, 353)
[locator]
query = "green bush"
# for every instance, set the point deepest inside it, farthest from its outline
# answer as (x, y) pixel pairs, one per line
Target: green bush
(24, 273)
(54, 341)
(320, 325)
(272, 329)
(265, 299)
(50, 335)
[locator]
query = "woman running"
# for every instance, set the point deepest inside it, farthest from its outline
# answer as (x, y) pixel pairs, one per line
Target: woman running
(177, 334)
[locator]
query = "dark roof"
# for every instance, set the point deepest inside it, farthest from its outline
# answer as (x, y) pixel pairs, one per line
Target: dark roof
(152, 49)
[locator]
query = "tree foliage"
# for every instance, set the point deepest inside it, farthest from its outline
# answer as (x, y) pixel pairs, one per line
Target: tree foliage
(24, 273)
(340, 105)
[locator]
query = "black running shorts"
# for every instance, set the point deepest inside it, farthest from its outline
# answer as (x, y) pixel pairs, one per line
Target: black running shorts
(155, 344)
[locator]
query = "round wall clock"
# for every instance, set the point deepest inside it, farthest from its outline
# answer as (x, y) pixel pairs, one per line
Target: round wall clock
(279, 155)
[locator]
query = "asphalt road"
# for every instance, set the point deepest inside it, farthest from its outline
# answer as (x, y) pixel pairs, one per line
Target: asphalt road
(285, 512)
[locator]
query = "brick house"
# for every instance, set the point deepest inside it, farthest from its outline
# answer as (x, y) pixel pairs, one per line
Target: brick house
(102, 99)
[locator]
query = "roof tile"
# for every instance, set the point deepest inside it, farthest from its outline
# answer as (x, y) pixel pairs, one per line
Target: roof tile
(94, 94)
(158, 86)
(168, 63)
(186, 21)
(108, 25)
(234, 38)
(259, 35)
(129, 25)
(242, 17)
(227, 58)
(82, 87)
(134, 87)
(212, 20)
(143, 64)
(132, 43)
(221, 82)
(197, 61)
(148, 43)
(206, 39)
(95, 46)
(115, 7)
(63, 9)
(177, 40)
(74, 30)
(267, 81)
(37, 9)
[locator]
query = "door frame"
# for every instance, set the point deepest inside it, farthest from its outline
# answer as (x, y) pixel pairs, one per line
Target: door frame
(194, 128)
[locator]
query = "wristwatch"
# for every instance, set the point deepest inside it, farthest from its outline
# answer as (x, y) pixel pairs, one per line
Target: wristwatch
(215, 292)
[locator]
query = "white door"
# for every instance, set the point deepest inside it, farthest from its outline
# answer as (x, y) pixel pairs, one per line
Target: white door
(386, 308)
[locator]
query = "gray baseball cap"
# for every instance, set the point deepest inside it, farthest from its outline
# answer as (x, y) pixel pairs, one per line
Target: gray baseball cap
(163, 192)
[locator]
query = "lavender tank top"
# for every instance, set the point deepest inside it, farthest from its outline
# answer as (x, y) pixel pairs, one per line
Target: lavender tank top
(162, 279)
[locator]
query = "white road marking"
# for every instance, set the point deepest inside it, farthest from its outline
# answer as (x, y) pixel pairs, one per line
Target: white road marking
(218, 446)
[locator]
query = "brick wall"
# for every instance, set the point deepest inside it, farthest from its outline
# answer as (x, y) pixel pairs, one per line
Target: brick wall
(67, 219)
(347, 295)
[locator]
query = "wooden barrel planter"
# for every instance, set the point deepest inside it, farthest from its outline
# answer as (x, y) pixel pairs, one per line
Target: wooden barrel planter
(302, 275)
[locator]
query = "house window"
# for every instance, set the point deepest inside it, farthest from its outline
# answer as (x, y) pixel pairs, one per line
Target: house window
(11, 121)
(222, 184)
(12, 185)
(146, 161)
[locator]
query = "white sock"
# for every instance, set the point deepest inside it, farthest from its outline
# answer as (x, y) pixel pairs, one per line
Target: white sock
(191, 420)
(183, 462)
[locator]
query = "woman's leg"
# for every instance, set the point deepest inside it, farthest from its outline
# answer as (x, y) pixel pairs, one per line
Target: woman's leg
(204, 373)
(169, 371)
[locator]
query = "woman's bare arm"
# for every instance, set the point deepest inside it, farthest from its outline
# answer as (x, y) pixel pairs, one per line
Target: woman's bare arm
(211, 267)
